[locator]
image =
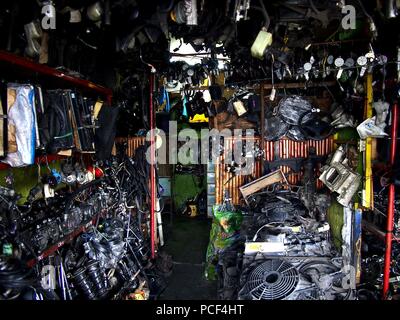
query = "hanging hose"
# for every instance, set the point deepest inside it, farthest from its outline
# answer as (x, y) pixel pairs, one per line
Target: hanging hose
(267, 20)
(14, 277)
(263, 10)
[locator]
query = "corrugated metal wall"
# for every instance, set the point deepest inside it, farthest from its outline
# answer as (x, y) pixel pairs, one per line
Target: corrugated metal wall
(164, 170)
(132, 142)
(227, 181)
(285, 148)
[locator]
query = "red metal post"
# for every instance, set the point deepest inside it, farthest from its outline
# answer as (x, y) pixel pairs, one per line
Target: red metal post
(390, 212)
(152, 173)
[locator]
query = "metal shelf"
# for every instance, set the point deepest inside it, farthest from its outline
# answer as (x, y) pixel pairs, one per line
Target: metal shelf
(68, 238)
(29, 69)
(30, 66)
(38, 160)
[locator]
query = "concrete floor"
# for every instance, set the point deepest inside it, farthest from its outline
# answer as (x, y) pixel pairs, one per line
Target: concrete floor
(186, 241)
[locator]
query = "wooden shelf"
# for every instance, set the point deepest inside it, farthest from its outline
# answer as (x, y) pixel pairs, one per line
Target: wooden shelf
(299, 85)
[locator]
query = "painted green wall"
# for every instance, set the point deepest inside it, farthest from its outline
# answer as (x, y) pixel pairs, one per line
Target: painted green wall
(26, 178)
(186, 186)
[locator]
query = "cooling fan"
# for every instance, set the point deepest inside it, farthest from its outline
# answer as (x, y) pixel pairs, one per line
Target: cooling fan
(272, 280)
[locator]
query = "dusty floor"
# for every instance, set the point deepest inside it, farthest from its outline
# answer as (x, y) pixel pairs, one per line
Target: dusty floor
(187, 242)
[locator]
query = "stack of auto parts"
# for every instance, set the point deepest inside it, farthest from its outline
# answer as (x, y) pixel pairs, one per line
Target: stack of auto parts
(191, 74)
(284, 252)
(96, 267)
(339, 176)
(89, 243)
(283, 226)
(293, 279)
(44, 222)
(65, 121)
(297, 119)
(372, 268)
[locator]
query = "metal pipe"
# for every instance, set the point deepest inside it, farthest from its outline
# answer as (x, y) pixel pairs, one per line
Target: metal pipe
(390, 212)
(33, 67)
(152, 173)
(368, 198)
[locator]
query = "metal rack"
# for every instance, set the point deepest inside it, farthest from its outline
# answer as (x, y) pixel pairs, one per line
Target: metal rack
(30, 67)
(67, 239)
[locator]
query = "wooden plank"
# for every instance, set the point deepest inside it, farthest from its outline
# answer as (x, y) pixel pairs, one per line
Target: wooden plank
(299, 85)
(261, 183)
(280, 85)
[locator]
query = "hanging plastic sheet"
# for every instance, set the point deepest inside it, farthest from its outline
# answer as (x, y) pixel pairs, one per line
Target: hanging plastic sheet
(21, 125)
(294, 133)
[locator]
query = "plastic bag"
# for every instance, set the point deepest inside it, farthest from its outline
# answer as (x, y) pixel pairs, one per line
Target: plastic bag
(368, 128)
(224, 231)
(294, 133)
(22, 122)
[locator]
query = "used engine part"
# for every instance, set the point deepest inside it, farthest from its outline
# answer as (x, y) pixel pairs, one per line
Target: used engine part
(340, 178)
(293, 279)
(271, 280)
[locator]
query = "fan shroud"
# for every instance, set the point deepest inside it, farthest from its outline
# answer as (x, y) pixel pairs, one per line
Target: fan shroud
(274, 279)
